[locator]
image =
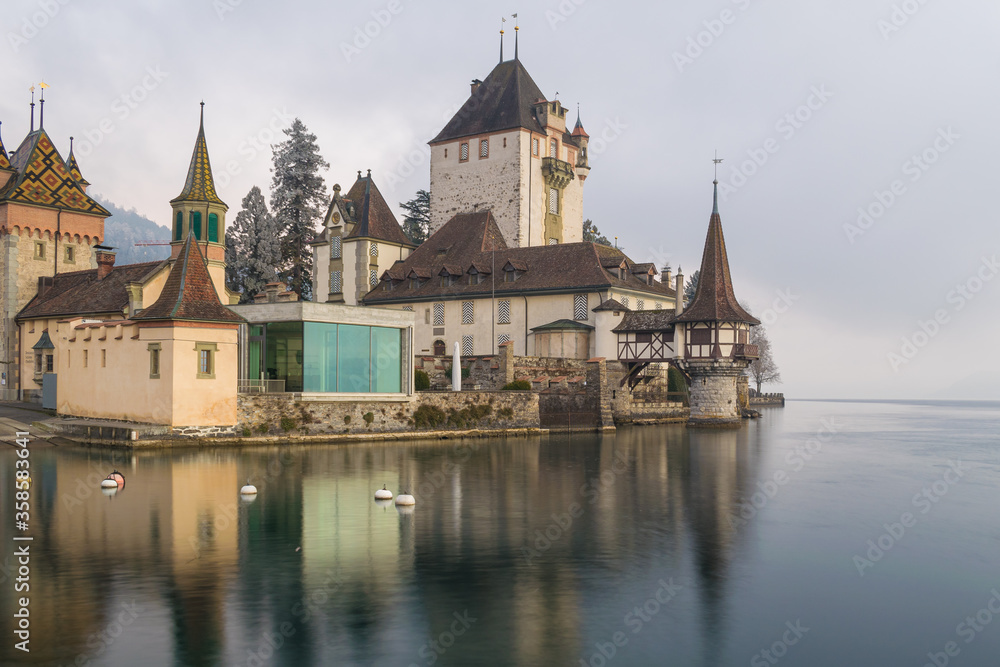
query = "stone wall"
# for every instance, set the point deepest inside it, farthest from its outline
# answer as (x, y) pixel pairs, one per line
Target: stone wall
(714, 390)
(275, 414)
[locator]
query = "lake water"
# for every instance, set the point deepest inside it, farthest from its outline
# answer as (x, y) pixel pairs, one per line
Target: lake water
(826, 533)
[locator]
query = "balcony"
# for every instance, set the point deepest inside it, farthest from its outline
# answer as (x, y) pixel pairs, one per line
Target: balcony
(558, 173)
(746, 351)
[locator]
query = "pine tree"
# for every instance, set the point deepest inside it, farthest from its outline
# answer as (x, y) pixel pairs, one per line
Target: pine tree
(298, 199)
(592, 235)
(417, 221)
(692, 286)
(253, 248)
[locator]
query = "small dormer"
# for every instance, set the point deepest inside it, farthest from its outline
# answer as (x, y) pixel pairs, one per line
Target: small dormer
(477, 274)
(418, 277)
(514, 269)
(450, 275)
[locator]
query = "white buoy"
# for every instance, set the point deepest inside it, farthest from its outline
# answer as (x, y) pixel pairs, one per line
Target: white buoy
(248, 489)
(383, 494)
(108, 483)
(405, 499)
(109, 491)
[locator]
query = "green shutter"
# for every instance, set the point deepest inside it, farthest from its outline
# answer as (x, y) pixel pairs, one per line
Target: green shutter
(178, 226)
(196, 224)
(213, 228)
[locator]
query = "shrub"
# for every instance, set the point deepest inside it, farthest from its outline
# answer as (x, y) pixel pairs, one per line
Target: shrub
(428, 416)
(347, 419)
(247, 432)
(465, 373)
(421, 380)
(506, 412)
(263, 428)
(288, 424)
(369, 418)
(675, 381)
(517, 385)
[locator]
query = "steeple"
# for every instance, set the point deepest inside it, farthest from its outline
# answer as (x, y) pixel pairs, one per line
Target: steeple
(714, 300)
(74, 168)
(198, 211)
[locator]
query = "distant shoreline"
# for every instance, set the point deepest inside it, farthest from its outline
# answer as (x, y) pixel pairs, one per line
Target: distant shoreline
(970, 402)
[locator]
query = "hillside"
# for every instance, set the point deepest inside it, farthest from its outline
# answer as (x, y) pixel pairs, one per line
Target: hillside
(125, 227)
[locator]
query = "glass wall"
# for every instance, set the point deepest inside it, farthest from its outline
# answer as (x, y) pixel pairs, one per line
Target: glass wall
(321, 357)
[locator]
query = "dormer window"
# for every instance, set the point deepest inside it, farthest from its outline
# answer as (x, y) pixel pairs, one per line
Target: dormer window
(414, 282)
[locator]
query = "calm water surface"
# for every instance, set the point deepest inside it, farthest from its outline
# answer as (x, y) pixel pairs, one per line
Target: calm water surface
(827, 533)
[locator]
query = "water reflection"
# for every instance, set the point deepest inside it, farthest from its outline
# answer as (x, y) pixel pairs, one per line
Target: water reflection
(534, 548)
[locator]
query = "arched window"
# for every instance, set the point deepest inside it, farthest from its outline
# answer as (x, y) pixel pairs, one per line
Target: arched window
(196, 224)
(178, 226)
(213, 228)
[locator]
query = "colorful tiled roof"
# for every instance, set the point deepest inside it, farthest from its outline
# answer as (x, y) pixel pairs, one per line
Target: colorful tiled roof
(81, 293)
(504, 101)
(74, 168)
(373, 217)
(469, 239)
(4, 160)
(714, 300)
(578, 130)
(189, 293)
(199, 185)
(44, 179)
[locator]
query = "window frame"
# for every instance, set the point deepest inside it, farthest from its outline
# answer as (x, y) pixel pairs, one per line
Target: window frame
(484, 148)
(463, 148)
(154, 360)
(207, 352)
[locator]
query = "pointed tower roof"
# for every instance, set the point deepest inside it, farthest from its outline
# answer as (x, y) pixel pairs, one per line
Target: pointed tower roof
(373, 217)
(189, 293)
(714, 300)
(74, 168)
(199, 185)
(503, 101)
(4, 159)
(578, 130)
(44, 179)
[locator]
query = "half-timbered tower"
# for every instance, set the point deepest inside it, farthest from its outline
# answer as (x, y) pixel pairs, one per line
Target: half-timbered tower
(712, 348)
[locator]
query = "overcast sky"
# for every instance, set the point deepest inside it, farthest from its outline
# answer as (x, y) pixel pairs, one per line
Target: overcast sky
(819, 109)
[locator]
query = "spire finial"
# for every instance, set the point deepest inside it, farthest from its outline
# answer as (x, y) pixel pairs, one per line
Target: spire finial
(202, 121)
(71, 145)
(41, 111)
(516, 28)
(715, 185)
(717, 162)
(502, 21)
(32, 109)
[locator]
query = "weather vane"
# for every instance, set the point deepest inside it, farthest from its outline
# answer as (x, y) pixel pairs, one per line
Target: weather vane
(717, 162)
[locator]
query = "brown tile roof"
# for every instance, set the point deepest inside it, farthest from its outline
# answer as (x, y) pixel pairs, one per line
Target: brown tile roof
(199, 184)
(189, 293)
(714, 300)
(468, 238)
(373, 217)
(81, 293)
(503, 101)
(646, 320)
(611, 304)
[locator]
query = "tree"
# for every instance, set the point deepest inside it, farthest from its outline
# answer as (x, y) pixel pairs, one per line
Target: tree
(592, 235)
(692, 286)
(298, 199)
(763, 370)
(253, 248)
(417, 221)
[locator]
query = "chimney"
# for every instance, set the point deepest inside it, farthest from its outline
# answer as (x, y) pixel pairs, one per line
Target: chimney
(475, 86)
(105, 262)
(271, 290)
(44, 283)
(680, 291)
(665, 277)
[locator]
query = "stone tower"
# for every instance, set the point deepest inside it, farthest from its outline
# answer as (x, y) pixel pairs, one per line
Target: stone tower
(508, 150)
(198, 209)
(48, 225)
(712, 349)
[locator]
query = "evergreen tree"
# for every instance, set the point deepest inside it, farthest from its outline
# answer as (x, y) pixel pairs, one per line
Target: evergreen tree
(592, 235)
(253, 248)
(298, 199)
(692, 286)
(417, 221)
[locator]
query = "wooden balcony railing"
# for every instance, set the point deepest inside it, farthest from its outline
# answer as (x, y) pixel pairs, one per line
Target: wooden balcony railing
(746, 351)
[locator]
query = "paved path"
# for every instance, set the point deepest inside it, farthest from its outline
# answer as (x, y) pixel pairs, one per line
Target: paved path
(16, 417)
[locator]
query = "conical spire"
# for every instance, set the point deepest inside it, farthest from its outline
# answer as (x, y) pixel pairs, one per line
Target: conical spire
(578, 130)
(714, 300)
(74, 167)
(199, 185)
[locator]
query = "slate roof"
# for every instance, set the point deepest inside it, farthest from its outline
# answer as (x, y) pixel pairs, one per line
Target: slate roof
(503, 101)
(199, 184)
(81, 293)
(714, 300)
(469, 239)
(373, 217)
(646, 320)
(189, 293)
(43, 178)
(578, 130)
